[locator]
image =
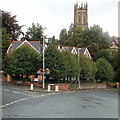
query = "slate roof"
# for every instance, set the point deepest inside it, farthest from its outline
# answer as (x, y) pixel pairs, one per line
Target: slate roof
(35, 44)
(67, 48)
(39, 47)
(81, 50)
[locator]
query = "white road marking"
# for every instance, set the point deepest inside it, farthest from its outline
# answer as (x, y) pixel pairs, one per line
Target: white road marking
(21, 93)
(69, 92)
(14, 102)
(6, 90)
(33, 92)
(16, 92)
(42, 95)
(26, 99)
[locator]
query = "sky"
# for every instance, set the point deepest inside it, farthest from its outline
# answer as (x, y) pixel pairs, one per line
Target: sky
(58, 14)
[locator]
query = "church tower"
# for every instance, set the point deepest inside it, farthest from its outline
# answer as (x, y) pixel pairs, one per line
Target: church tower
(81, 15)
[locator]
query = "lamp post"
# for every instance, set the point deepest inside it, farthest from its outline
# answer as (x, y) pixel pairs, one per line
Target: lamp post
(78, 73)
(44, 58)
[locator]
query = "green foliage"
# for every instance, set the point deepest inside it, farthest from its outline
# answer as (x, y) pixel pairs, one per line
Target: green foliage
(35, 33)
(93, 38)
(104, 53)
(73, 67)
(63, 36)
(53, 40)
(9, 22)
(117, 76)
(22, 61)
(61, 64)
(88, 67)
(105, 70)
(55, 61)
(5, 42)
(110, 55)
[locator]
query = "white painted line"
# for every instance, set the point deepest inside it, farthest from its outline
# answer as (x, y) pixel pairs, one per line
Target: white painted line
(33, 92)
(26, 99)
(27, 91)
(21, 93)
(42, 95)
(6, 90)
(16, 92)
(14, 102)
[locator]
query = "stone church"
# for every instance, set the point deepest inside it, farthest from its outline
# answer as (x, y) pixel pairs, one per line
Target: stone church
(81, 15)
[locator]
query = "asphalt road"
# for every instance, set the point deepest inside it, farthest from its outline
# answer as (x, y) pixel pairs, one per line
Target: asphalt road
(19, 103)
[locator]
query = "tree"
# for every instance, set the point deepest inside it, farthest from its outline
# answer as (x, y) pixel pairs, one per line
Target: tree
(63, 36)
(22, 61)
(62, 64)
(35, 33)
(73, 67)
(104, 53)
(6, 39)
(55, 61)
(117, 76)
(10, 23)
(105, 70)
(53, 40)
(88, 68)
(93, 38)
(97, 40)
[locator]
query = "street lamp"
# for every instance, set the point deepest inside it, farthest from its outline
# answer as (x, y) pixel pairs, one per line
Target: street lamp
(78, 73)
(43, 58)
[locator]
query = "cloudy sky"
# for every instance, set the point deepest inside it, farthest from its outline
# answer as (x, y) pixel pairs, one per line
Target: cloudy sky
(58, 14)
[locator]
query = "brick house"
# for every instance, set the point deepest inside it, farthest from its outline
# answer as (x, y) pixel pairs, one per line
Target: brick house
(39, 47)
(114, 43)
(33, 44)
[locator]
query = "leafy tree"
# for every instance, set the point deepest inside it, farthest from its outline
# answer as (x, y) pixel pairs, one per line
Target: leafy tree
(105, 70)
(63, 36)
(10, 23)
(10, 30)
(55, 61)
(97, 39)
(71, 28)
(88, 67)
(22, 61)
(110, 55)
(6, 39)
(53, 40)
(62, 64)
(35, 33)
(93, 38)
(117, 76)
(76, 37)
(105, 53)
(73, 67)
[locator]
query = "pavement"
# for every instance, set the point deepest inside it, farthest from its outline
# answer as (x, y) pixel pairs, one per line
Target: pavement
(20, 102)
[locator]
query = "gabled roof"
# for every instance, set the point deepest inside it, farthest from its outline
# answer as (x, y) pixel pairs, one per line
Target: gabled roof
(67, 48)
(114, 41)
(80, 50)
(34, 44)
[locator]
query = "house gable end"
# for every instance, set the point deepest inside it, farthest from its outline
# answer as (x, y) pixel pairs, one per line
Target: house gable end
(28, 44)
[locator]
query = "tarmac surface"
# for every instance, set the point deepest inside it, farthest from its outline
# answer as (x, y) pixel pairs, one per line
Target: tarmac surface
(20, 102)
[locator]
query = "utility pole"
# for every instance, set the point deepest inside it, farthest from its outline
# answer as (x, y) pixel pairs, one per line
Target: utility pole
(44, 59)
(78, 73)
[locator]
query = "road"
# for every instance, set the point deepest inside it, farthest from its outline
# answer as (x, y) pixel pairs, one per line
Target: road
(19, 103)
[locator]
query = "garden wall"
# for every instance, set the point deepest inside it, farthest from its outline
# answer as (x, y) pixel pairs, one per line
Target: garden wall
(64, 87)
(94, 86)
